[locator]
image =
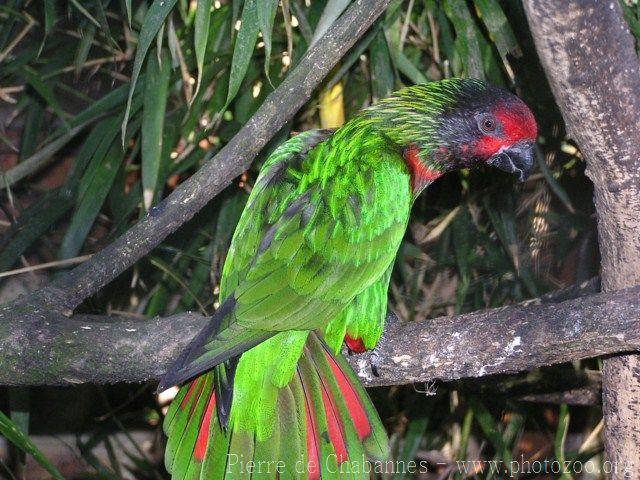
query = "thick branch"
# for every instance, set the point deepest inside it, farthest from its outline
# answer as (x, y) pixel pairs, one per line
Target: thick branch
(590, 59)
(46, 348)
(279, 107)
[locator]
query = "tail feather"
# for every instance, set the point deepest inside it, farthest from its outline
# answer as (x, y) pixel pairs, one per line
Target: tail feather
(215, 461)
(186, 426)
(358, 404)
(324, 426)
(291, 418)
(225, 373)
(366, 436)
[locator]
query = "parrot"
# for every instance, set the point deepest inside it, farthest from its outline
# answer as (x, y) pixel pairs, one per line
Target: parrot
(266, 392)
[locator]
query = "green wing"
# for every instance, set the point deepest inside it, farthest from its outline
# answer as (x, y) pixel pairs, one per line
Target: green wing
(322, 224)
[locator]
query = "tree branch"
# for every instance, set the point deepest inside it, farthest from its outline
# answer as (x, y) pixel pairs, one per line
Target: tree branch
(589, 56)
(279, 107)
(46, 348)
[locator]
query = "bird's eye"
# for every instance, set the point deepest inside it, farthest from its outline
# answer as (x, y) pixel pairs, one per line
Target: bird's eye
(487, 123)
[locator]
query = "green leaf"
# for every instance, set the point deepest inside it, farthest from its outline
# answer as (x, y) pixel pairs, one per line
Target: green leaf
(560, 438)
(492, 430)
(464, 234)
(498, 26)
(127, 6)
(553, 183)
(90, 204)
(170, 272)
(19, 412)
(446, 34)
(382, 74)
(95, 184)
(32, 128)
(243, 49)
(266, 15)
(412, 439)
(200, 36)
(104, 23)
(153, 20)
(34, 79)
(331, 12)
(9, 430)
(352, 57)
(93, 152)
(236, 5)
(407, 68)
(501, 209)
(35, 221)
(156, 92)
(103, 106)
(82, 52)
(94, 187)
(466, 37)
(39, 159)
(85, 12)
(50, 16)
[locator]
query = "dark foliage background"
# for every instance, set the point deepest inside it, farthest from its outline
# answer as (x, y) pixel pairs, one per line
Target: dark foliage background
(107, 105)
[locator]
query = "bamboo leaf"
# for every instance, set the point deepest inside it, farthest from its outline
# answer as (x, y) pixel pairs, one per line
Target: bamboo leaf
(9, 430)
(244, 46)
(266, 16)
(127, 6)
(553, 183)
(45, 91)
(467, 35)
(50, 16)
(153, 113)
(501, 210)
(82, 52)
(89, 206)
(200, 37)
(34, 222)
(352, 57)
(560, 439)
(406, 67)
(95, 184)
(491, 430)
(412, 439)
(382, 75)
(156, 262)
(32, 128)
(94, 187)
(331, 12)
(498, 26)
(153, 20)
(104, 23)
(85, 12)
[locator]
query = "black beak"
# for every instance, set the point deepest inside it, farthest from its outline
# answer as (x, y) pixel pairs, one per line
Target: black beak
(518, 159)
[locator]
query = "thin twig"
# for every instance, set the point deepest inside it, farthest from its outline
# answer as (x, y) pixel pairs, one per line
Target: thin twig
(43, 266)
(405, 26)
(30, 23)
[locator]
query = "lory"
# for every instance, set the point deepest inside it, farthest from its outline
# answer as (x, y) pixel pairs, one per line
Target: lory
(308, 269)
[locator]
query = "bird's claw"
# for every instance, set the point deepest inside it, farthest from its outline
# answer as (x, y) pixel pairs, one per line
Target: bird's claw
(373, 362)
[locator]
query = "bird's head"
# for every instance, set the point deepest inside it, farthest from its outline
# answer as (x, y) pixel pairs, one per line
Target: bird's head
(460, 123)
(487, 125)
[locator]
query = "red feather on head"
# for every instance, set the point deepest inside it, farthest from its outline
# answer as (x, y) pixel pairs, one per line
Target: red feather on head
(517, 124)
